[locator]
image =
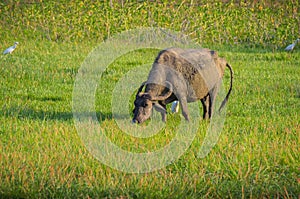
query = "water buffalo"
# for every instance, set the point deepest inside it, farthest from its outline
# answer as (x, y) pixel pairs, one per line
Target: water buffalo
(185, 75)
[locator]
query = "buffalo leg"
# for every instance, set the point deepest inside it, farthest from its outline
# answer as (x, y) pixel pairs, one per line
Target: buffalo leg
(184, 108)
(211, 104)
(162, 109)
(212, 99)
(164, 114)
(205, 103)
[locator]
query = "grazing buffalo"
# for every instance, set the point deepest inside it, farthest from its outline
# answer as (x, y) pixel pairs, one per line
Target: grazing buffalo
(186, 75)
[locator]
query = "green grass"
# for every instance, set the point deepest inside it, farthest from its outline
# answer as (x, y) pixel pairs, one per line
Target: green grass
(253, 23)
(42, 156)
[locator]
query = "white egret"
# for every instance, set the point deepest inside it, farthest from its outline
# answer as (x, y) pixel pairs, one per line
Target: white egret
(175, 107)
(10, 49)
(291, 46)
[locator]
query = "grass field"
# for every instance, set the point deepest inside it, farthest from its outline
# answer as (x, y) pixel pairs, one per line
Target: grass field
(42, 156)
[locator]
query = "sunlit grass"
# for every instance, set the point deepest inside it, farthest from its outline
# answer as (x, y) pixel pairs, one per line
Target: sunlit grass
(42, 156)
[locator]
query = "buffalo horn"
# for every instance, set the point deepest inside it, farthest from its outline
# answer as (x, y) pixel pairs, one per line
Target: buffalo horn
(165, 96)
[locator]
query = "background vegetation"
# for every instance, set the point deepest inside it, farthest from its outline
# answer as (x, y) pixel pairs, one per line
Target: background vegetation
(41, 155)
(264, 23)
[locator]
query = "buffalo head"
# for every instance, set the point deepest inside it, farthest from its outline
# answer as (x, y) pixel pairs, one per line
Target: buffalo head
(145, 102)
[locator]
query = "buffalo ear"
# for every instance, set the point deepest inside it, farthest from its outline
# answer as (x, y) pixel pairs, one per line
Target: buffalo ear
(159, 108)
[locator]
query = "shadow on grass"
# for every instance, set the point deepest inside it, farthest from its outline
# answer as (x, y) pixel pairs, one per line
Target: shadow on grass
(28, 113)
